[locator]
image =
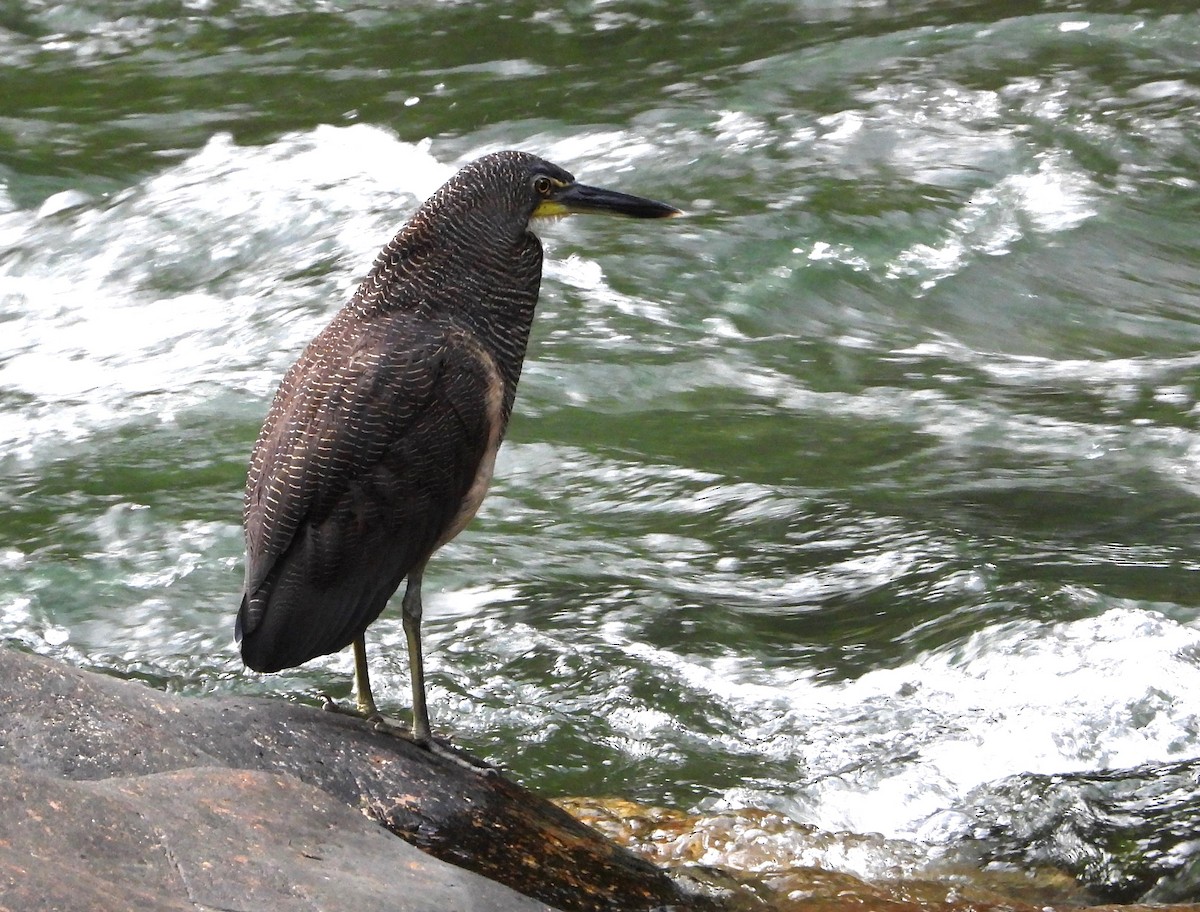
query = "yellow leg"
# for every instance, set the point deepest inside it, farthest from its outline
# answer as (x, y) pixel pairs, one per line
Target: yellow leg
(416, 666)
(362, 681)
(365, 702)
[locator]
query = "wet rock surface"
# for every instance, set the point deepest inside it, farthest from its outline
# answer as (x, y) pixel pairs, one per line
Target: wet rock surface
(763, 861)
(214, 838)
(118, 796)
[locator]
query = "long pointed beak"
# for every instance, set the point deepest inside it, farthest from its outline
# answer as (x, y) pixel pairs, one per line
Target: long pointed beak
(580, 198)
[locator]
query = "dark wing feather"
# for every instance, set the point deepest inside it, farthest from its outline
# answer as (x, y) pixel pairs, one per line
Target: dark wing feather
(373, 440)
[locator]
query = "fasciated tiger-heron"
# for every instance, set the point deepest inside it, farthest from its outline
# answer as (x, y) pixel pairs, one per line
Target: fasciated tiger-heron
(381, 440)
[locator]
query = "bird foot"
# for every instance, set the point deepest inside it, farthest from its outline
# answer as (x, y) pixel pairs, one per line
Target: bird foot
(329, 704)
(439, 747)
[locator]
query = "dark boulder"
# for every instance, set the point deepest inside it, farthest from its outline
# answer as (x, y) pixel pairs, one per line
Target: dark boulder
(237, 803)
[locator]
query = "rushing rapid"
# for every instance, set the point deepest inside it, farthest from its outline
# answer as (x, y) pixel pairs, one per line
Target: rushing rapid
(867, 495)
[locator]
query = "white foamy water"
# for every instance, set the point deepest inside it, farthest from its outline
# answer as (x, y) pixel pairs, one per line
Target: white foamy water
(150, 303)
(896, 751)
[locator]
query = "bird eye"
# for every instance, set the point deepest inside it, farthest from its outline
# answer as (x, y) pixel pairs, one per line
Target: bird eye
(542, 185)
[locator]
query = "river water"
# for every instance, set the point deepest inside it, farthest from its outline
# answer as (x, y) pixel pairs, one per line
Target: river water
(867, 494)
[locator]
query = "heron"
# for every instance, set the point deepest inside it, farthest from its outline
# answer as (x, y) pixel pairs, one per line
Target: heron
(381, 441)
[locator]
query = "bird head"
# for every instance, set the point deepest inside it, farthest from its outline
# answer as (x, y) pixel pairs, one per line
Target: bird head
(509, 189)
(556, 193)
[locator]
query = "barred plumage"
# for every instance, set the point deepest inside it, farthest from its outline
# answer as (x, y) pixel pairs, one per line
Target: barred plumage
(379, 445)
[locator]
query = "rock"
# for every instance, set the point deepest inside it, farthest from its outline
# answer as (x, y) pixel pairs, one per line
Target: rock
(794, 867)
(214, 838)
(1129, 835)
(117, 796)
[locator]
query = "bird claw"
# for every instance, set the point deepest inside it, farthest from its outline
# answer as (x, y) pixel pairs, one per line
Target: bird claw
(385, 726)
(329, 704)
(445, 750)
(439, 747)
(381, 724)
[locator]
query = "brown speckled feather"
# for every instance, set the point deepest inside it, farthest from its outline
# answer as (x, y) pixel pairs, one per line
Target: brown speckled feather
(378, 446)
(365, 458)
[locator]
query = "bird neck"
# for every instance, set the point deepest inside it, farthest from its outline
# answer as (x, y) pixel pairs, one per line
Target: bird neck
(462, 276)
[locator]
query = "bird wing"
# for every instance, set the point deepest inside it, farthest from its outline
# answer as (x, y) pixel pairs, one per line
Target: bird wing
(372, 442)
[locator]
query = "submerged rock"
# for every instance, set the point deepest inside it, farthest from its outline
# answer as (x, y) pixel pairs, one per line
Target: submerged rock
(1131, 835)
(770, 862)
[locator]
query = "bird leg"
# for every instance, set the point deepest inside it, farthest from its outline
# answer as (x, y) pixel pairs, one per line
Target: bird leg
(421, 733)
(411, 608)
(365, 701)
(362, 681)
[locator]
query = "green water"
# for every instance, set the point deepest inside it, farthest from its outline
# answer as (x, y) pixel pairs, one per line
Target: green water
(864, 492)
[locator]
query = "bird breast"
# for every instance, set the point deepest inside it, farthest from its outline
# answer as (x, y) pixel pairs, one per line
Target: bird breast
(496, 419)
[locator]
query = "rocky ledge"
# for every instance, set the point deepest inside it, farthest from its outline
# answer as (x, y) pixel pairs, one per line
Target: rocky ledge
(115, 796)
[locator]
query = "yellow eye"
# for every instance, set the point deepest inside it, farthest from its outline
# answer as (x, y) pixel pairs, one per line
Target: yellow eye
(543, 186)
